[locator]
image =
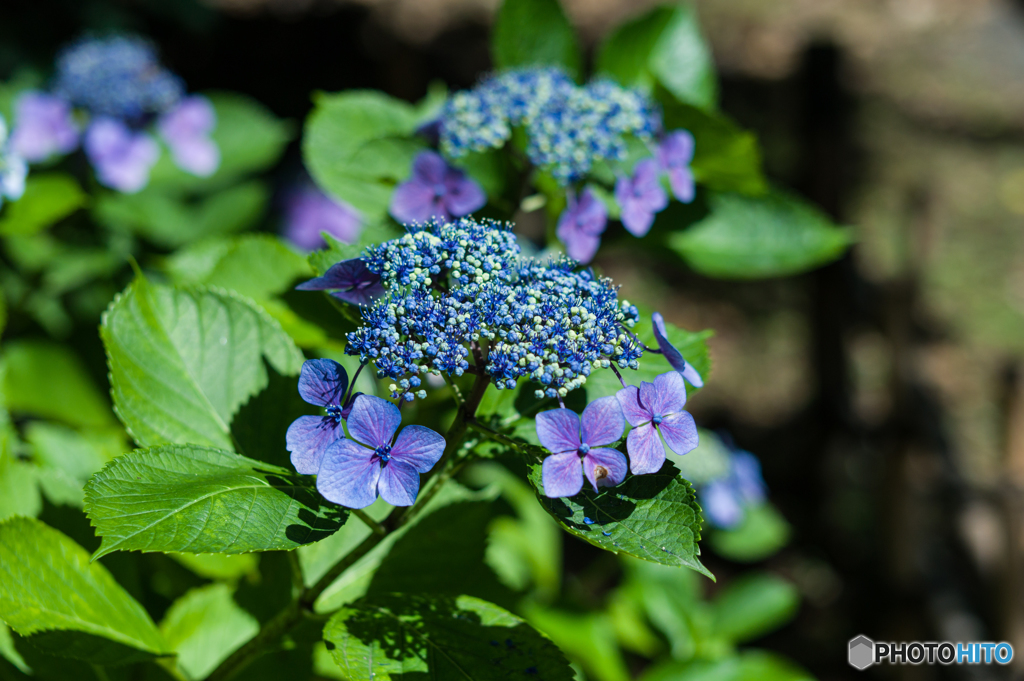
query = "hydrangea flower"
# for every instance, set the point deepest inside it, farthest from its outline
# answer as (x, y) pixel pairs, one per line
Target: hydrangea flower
(653, 409)
(44, 127)
(640, 197)
(435, 190)
(674, 155)
(349, 280)
(122, 158)
(674, 357)
(322, 382)
(13, 169)
(372, 461)
(574, 441)
(186, 129)
(581, 225)
(724, 499)
(309, 212)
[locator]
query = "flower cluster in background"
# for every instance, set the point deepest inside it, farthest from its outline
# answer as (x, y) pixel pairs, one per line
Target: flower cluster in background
(13, 168)
(106, 96)
(309, 213)
(726, 497)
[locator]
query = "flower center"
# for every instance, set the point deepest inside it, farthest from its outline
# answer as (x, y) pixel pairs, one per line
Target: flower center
(658, 418)
(384, 453)
(439, 190)
(334, 412)
(584, 448)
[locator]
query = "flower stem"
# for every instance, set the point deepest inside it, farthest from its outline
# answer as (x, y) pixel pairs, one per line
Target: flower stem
(369, 522)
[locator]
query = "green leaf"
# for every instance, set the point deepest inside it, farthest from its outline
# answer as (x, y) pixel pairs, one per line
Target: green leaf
(754, 605)
(182, 361)
(48, 380)
(751, 665)
(709, 461)
(171, 221)
(358, 144)
(48, 199)
(67, 458)
(69, 607)
(19, 488)
(224, 566)
(654, 517)
(664, 45)
(199, 500)
(386, 637)
(205, 626)
(761, 534)
(748, 237)
(587, 638)
(671, 600)
(535, 32)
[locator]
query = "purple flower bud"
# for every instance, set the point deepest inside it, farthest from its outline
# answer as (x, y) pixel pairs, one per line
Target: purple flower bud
(581, 225)
(674, 155)
(435, 190)
(674, 357)
(309, 212)
(640, 197)
(186, 129)
(44, 127)
(122, 158)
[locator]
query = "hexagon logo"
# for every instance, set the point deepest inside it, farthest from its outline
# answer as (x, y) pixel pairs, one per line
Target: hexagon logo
(862, 652)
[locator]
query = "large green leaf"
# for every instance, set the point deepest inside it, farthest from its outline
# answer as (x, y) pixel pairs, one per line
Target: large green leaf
(386, 638)
(754, 605)
(665, 45)
(358, 144)
(182, 361)
(67, 458)
(49, 591)
(535, 32)
(204, 626)
(761, 533)
(48, 198)
(654, 517)
(748, 237)
(587, 638)
(199, 500)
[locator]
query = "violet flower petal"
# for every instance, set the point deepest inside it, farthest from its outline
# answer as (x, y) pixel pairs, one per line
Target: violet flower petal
(373, 421)
(307, 438)
(399, 483)
(604, 467)
(122, 158)
(559, 430)
(674, 155)
(322, 382)
(463, 195)
(419, 447)
(671, 393)
(603, 422)
(414, 202)
(561, 475)
(429, 167)
(680, 432)
(348, 475)
(629, 400)
(309, 212)
(44, 127)
(356, 283)
(720, 505)
(646, 453)
(746, 477)
(580, 226)
(674, 357)
(640, 197)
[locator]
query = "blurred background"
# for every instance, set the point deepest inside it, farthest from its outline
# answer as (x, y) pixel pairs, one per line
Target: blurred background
(883, 393)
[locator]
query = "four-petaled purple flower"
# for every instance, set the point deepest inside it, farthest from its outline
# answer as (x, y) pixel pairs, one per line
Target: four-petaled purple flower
(656, 408)
(674, 357)
(640, 197)
(435, 190)
(349, 280)
(674, 155)
(122, 158)
(372, 461)
(322, 382)
(581, 224)
(570, 441)
(186, 129)
(310, 212)
(44, 127)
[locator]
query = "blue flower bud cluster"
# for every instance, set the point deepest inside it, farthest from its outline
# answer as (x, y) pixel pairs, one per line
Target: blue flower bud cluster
(118, 76)
(568, 127)
(461, 291)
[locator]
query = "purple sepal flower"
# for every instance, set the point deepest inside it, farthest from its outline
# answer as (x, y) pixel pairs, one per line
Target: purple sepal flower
(349, 280)
(309, 212)
(640, 197)
(655, 408)
(122, 158)
(720, 504)
(674, 155)
(372, 461)
(724, 499)
(186, 129)
(573, 442)
(435, 190)
(44, 127)
(581, 224)
(674, 357)
(322, 382)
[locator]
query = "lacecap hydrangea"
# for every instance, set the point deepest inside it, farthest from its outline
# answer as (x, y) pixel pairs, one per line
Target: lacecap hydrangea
(459, 297)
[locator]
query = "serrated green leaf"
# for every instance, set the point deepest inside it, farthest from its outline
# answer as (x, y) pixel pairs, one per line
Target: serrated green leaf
(750, 665)
(67, 458)
(49, 591)
(182, 361)
(761, 533)
(654, 517)
(204, 626)
(194, 499)
(386, 637)
(754, 605)
(748, 237)
(48, 198)
(535, 32)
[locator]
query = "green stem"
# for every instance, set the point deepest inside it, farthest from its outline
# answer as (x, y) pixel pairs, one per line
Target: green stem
(369, 522)
(493, 434)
